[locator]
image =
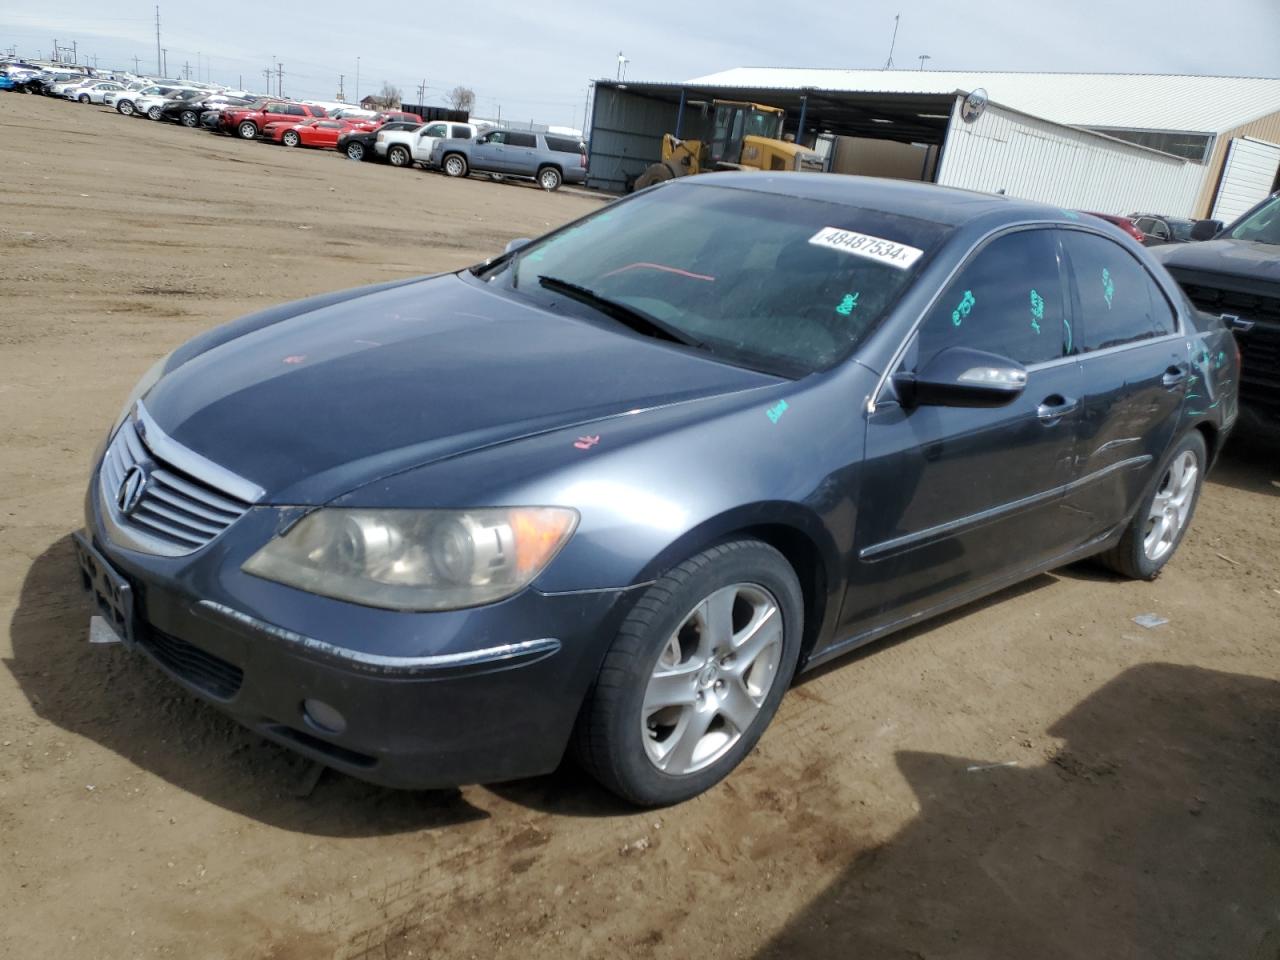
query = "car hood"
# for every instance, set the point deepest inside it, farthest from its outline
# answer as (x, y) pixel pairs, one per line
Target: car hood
(312, 406)
(1243, 258)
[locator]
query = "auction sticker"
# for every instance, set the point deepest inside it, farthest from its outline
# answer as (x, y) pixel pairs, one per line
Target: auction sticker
(864, 245)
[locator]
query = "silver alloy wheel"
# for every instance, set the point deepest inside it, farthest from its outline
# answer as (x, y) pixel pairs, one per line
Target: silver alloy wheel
(291, 139)
(711, 678)
(248, 130)
(549, 179)
(454, 166)
(355, 151)
(1171, 505)
(125, 107)
(154, 113)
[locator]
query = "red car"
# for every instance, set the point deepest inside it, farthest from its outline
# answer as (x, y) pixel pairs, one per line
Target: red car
(388, 116)
(1124, 223)
(309, 133)
(249, 123)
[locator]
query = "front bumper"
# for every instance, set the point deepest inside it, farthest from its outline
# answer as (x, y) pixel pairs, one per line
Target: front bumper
(428, 700)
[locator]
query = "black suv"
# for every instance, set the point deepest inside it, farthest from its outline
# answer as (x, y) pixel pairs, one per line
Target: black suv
(1236, 275)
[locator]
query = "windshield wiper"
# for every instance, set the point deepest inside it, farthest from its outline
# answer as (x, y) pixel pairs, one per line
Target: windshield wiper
(637, 320)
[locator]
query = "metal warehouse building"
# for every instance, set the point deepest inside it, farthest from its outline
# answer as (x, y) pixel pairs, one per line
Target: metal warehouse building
(1116, 143)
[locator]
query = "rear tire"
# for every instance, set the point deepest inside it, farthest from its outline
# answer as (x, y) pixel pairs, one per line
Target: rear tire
(729, 622)
(248, 130)
(455, 165)
(549, 179)
(399, 156)
(1164, 515)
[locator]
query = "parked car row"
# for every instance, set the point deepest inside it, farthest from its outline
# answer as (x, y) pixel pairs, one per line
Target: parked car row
(401, 139)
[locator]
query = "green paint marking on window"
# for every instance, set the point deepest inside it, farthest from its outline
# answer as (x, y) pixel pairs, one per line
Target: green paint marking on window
(847, 304)
(1220, 361)
(1067, 324)
(1037, 310)
(1193, 396)
(1071, 214)
(1108, 286)
(964, 308)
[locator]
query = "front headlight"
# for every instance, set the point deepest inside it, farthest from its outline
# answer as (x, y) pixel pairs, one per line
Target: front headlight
(416, 559)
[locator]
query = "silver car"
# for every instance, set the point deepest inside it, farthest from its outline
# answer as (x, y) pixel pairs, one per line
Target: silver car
(544, 158)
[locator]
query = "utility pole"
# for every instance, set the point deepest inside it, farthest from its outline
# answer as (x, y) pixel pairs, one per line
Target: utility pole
(357, 97)
(186, 70)
(159, 63)
(75, 54)
(888, 64)
(280, 80)
(267, 73)
(137, 63)
(422, 91)
(164, 62)
(923, 58)
(341, 95)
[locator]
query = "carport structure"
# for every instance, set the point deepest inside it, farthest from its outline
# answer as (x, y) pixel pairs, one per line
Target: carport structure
(1116, 143)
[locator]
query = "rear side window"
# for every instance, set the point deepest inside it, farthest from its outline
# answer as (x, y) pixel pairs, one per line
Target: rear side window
(1116, 301)
(295, 111)
(521, 139)
(564, 145)
(1007, 300)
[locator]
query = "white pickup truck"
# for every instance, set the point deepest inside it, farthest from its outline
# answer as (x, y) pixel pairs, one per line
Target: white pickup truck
(404, 148)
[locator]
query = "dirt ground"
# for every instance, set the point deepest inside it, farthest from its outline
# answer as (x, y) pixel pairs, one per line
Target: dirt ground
(1034, 777)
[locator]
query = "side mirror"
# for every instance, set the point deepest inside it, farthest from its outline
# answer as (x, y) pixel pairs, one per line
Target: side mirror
(516, 244)
(962, 377)
(1205, 229)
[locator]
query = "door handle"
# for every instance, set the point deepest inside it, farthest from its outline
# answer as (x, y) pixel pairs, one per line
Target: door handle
(1175, 376)
(1054, 408)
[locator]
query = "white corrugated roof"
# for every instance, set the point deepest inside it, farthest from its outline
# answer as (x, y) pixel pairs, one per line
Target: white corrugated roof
(1125, 100)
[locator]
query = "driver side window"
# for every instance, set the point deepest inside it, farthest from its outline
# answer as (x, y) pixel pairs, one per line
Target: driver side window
(1007, 300)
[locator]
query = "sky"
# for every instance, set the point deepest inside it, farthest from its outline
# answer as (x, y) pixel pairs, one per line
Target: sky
(535, 61)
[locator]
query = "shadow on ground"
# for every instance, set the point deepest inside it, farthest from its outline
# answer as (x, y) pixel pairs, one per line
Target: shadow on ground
(1154, 832)
(127, 705)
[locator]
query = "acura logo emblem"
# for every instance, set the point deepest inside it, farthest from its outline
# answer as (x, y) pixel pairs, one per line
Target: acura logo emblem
(132, 488)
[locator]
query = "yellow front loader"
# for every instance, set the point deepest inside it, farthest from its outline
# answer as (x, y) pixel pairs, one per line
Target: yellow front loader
(746, 136)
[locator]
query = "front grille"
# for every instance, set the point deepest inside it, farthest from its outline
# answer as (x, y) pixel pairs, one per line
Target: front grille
(181, 510)
(1259, 345)
(201, 669)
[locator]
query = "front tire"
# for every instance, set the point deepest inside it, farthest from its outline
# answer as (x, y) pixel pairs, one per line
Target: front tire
(153, 113)
(1162, 519)
(247, 130)
(398, 156)
(355, 151)
(190, 118)
(455, 165)
(694, 676)
(125, 107)
(290, 139)
(84, 98)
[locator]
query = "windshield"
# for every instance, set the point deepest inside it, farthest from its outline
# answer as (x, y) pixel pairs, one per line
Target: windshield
(773, 282)
(1261, 226)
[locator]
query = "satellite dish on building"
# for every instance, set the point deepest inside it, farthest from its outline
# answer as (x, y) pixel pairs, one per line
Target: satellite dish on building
(974, 105)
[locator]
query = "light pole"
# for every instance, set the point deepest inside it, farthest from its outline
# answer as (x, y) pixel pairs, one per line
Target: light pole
(622, 66)
(357, 96)
(923, 58)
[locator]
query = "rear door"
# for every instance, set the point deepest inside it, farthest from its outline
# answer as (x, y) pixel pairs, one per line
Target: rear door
(1137, 373)
(955, 499)
(521, 153)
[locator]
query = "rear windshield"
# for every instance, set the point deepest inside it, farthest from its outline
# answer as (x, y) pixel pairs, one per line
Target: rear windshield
(779, 283)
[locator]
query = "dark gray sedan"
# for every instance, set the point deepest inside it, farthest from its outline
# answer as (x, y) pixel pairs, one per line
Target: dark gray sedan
(614, 488)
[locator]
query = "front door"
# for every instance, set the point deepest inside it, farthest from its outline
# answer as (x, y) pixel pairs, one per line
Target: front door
(489, 152)
(1138, 373)
(957, 498)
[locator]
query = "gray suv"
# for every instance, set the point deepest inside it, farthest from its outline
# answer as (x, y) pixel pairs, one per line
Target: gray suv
(547, 159)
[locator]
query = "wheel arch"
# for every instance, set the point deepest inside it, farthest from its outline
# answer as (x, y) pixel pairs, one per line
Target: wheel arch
(1212, 440)
(792, 530)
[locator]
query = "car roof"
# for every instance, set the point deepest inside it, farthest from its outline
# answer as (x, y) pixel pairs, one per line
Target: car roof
(909, 198)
